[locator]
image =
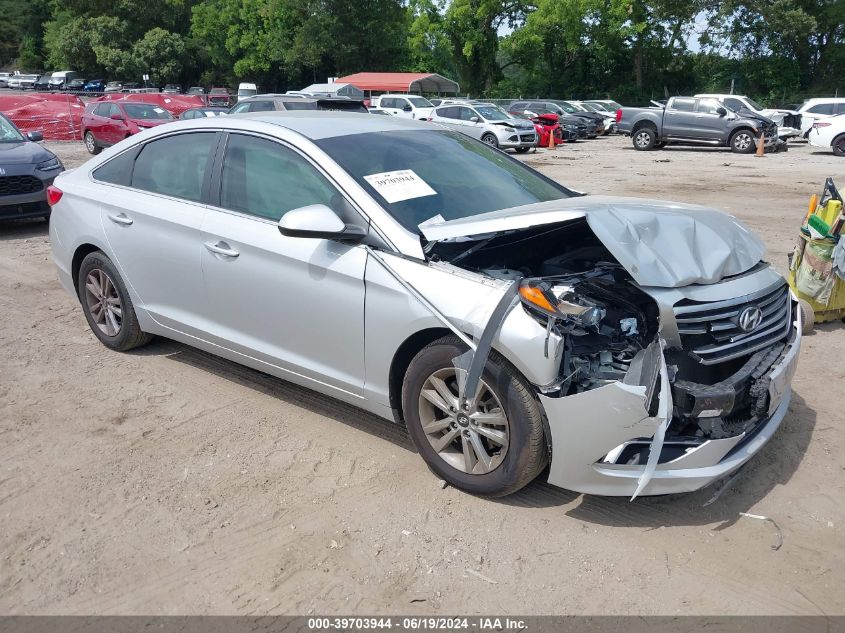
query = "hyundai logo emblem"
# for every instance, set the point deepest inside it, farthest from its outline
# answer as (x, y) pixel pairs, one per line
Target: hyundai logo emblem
(750, 318)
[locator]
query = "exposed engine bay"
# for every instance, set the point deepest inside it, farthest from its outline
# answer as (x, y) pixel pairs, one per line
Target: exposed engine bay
(609, 326)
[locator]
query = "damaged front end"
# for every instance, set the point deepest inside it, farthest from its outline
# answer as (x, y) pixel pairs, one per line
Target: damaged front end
(646, 389)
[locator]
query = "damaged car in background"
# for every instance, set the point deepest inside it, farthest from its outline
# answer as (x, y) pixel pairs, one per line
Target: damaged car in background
(633, 347)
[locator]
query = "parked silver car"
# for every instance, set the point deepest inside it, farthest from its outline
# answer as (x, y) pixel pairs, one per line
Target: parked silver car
(488, 123)
(635, 346)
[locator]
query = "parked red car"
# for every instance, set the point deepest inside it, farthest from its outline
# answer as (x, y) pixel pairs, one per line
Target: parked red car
(218, 97)
(545, 125)
(108, 122)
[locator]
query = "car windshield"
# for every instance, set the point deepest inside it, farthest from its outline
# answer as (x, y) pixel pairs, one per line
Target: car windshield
(138, 111)
(492, 113)
(589, 107)
(567, 108)
(753, 103)
(419, 102)
(8, 132)
(445, 174)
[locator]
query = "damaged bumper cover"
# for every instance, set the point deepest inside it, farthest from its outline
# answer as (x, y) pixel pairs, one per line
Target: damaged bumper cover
(614, 422)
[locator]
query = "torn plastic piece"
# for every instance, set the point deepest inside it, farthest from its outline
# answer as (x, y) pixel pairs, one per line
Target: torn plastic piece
(485, 343)
(759, 517)
(628, 326)
(664, 413)
(419, 297)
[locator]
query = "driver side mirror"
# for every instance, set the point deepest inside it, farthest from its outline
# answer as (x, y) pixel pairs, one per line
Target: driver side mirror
(116, 117)
(721, 111)
(474, 119)
(317, 221)
(407, 108)
(35, 136)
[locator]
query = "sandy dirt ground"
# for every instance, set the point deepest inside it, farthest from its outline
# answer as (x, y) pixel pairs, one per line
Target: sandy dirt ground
(168, 481)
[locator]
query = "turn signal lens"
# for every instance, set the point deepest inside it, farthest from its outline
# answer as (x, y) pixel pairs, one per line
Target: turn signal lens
(54, 194)
(536, 297)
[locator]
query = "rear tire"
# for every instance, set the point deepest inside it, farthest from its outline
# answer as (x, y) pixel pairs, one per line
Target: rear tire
(644, 139)
(838, 145)
(91, 144)
(507, 411)
(107, 305)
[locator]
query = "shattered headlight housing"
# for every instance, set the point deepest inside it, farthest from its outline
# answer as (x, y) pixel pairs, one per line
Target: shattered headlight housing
(558, 302)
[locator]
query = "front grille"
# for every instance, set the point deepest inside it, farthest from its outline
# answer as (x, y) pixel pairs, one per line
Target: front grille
(711, 331)
(15, 185)
(527, 137)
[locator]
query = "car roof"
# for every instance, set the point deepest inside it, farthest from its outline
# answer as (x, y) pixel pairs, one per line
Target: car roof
(312, 124)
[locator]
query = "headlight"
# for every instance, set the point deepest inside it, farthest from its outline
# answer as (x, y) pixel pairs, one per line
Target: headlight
(49, 165)
(559, 302)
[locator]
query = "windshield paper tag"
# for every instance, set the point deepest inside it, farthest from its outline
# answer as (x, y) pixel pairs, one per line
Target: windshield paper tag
(396, 186)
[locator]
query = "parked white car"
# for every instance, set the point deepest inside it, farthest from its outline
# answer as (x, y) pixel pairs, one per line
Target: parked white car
(246, 90)
(814, 110)
(788, 121)
(829, 134)
(488, 123)
(406, 106)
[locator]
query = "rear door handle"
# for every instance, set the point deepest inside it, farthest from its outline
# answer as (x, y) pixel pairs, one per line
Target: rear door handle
(121, 218)
(221, 248)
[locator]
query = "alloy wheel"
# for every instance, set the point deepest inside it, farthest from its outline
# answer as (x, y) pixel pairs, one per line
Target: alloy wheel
(103, 302)
(743, 141)
(642, 139)
(472, 440)
(89, 142)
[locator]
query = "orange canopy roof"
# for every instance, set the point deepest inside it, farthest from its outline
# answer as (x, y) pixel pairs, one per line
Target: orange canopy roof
(401, 82)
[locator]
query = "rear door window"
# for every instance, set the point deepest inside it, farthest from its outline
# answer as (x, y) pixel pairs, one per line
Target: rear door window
(175, 165)
(683, 105)
(117, 171)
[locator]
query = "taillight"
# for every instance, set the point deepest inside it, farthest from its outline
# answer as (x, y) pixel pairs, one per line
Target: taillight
(820, 124)
(619, 115)
(54, 194)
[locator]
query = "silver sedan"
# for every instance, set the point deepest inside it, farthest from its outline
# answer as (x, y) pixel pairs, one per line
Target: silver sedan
(632, 346)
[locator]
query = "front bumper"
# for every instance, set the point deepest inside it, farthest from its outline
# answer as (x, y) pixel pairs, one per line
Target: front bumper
(517, 139)
(581, 440)
(26, 205)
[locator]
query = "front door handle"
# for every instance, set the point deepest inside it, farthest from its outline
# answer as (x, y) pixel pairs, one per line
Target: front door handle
(221, 248)
(121, 218)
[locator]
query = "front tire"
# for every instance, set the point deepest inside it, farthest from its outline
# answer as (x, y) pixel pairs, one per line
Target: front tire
(107, 305)
(743, 142)
(493, 449)
(644, 138)
(491, 140)
(91, 144)
(522, 150)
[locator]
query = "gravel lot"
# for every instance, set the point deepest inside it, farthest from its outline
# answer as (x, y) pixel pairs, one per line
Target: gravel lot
(168, 481)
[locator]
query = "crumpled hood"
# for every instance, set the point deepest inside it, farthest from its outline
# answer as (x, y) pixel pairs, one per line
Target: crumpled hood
(662, 244)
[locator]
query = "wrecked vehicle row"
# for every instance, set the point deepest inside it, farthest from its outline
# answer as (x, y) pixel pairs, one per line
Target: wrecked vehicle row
(634, 347)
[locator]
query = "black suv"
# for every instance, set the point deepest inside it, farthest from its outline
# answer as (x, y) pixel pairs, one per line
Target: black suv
(273, 102)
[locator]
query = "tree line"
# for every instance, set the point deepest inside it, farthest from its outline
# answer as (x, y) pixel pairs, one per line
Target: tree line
(630, 50)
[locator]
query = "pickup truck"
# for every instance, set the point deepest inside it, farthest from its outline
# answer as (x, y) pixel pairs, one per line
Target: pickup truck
(689, 120)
